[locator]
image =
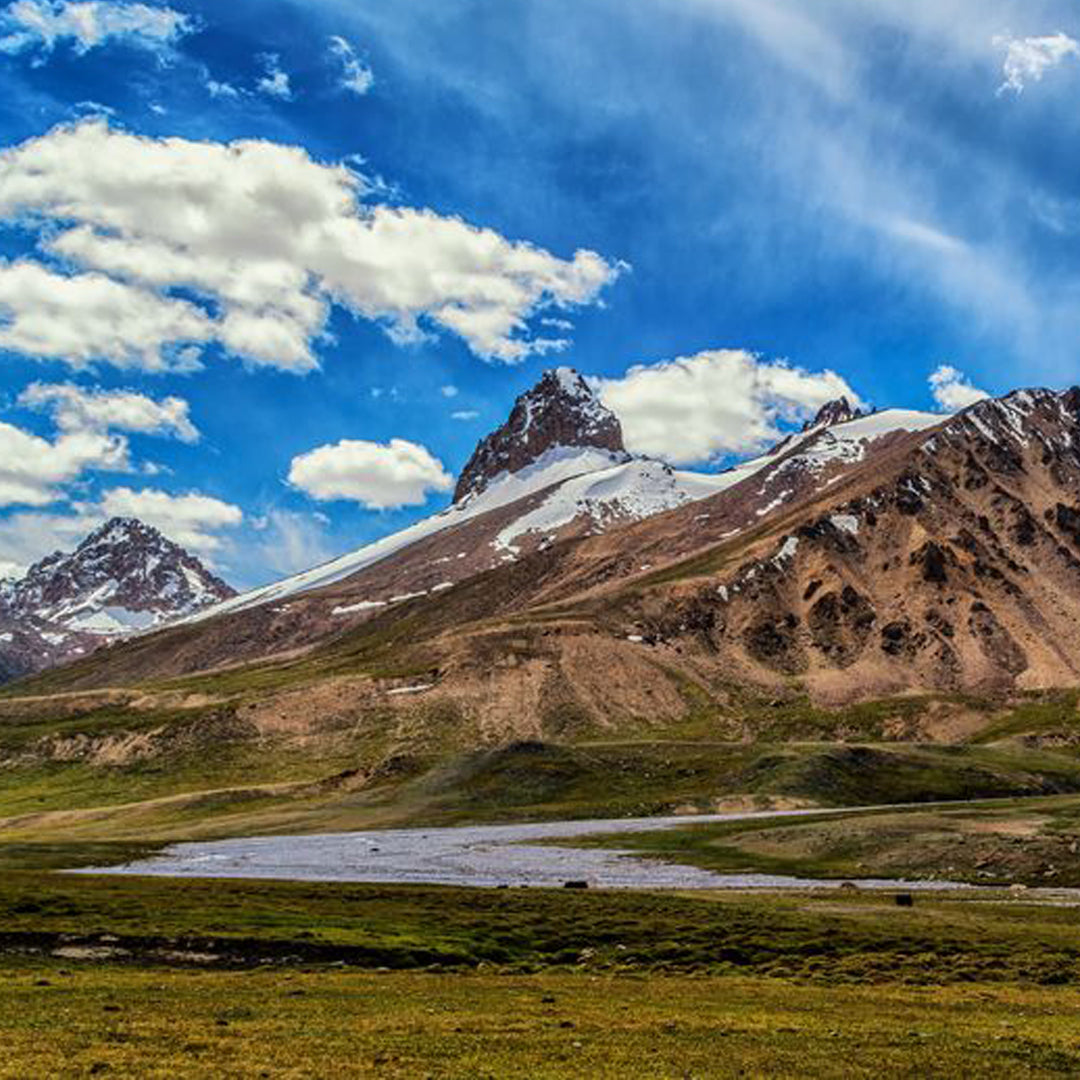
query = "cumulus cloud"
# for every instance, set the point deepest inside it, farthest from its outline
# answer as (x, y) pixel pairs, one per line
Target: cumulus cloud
(12, 570)
(379, 476)
(89, 423)
(30, 535)
(952, 390)
(90, 316)
(89, 24)
(191, 520)
(275, 80)
(32, 468)
(1028, 59)
(719, 402)
(265, 239)
(194, 521)
(75, 408)
(355, 76)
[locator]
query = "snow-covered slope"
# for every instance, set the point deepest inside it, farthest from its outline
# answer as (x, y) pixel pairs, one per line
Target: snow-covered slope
(555, 467)
(568, 489)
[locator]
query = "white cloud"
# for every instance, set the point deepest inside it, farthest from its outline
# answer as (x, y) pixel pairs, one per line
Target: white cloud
(87, 317)
(378, 476)
(952, 390)
(449, 391)
(719, 402)
(76, 408)
(922, 235)
(1028, 59)
(275, 83)
(89, 24)
(95, 108)
(267, 239)
(465, 415)
(191, 520)
(12, 569)
(217, 89)
(30, 535)
(356, 76)
(33, 468)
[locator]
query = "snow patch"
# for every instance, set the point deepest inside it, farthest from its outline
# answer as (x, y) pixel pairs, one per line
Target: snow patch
(363, 605)
(846, 523)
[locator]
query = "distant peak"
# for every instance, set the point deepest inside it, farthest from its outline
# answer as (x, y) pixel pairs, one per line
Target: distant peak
(125, 575)
(561, 410)
(839, 411)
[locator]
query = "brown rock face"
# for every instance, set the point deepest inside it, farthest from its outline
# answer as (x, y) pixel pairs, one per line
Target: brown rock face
(839, 411)
(561, 410)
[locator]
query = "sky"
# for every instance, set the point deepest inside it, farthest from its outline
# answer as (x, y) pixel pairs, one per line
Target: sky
(270, 269)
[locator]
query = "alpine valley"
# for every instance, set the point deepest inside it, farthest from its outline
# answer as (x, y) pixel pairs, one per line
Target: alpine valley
(879, 609)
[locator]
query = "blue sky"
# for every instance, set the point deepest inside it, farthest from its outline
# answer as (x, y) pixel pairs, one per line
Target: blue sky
(749, 205)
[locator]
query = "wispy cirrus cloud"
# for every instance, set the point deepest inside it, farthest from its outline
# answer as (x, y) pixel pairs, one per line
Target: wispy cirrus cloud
(42, 25)
(275, 81)
(354, 75)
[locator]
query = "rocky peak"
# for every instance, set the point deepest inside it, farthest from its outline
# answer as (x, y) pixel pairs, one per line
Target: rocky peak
(561, 410)
(835, 412)
(125, 574)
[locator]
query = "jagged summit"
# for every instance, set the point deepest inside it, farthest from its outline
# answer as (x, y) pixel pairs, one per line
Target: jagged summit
(839, 411)
(560, 411)
(124, 568)
(125, 576)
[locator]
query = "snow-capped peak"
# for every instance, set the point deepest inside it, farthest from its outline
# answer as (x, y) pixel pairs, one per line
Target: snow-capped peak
(560, 411)
(124, 576)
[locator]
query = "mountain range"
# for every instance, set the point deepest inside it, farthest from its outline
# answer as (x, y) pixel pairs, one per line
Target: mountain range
(864, 555)
(882, 606)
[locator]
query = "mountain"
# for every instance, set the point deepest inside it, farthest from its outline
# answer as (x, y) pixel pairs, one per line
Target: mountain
(838, 411)
(573, 485)
(556, 469)
(125, 577)
(560, 411)
(883, 607)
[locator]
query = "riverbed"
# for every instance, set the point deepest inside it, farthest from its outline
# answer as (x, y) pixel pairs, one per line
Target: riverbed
(533, 855)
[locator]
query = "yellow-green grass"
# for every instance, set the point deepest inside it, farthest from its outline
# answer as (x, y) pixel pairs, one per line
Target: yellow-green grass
(830, 938)
(122, 1022)
(157, 978)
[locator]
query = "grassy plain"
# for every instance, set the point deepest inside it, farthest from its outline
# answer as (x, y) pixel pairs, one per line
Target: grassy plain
(144, 977)
(132, 1022)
